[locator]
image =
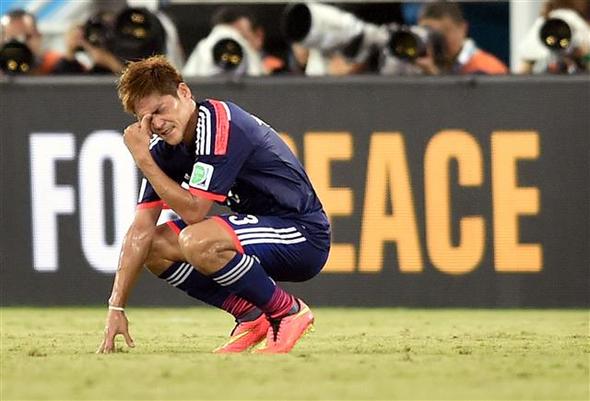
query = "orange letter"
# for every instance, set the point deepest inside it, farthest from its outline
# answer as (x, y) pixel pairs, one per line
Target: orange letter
(321, 148)
(387, 173)
(442, 148)
(511, 201)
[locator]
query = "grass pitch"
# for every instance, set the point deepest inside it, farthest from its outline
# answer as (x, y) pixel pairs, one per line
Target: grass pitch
(353, 354)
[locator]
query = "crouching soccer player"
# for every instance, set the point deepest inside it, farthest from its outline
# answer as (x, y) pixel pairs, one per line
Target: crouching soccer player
(191, 155)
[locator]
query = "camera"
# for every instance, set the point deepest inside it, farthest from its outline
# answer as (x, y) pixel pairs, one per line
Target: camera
(98, 29)
(224, 52)
(565, 34)
(328, 29)
(227, 54)
(138, 33)
(556, 34)
(133, 34)
(412, 42)
(16, 58)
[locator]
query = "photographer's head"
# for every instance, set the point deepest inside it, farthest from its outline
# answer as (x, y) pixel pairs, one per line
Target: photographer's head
(20, 25)
(582, 7)
(243, 21)
(447, 19)
(154, 87)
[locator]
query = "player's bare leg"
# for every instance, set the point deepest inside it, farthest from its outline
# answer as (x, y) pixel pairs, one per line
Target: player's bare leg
(164, 250)
(164, 261)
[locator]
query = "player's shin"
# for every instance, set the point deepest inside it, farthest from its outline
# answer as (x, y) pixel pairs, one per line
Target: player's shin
(186, 278)
(245, 277)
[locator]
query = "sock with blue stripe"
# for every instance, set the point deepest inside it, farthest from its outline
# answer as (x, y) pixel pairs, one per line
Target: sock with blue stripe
(183, 276)
(244, 276)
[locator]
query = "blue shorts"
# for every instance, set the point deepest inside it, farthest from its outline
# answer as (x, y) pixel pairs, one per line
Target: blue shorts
(287, 249)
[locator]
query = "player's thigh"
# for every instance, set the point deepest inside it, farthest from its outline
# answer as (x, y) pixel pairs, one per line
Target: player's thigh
(281, 245)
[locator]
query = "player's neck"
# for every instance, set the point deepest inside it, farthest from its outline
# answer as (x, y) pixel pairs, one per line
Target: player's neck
(189, 134)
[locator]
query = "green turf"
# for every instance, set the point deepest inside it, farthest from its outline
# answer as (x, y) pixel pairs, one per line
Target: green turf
(353, 354)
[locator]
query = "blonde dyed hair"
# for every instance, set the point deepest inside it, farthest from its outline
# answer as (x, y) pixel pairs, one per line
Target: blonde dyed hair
(153, 75)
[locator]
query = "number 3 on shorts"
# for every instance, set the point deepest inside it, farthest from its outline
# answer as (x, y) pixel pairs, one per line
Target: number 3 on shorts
(248, 219)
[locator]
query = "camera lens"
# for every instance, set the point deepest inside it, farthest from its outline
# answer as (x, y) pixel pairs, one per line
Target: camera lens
(227, 54)
(406, 45)
(296, 22)
(556, 34)
(97, 29)
(15, 58)
(138, 33)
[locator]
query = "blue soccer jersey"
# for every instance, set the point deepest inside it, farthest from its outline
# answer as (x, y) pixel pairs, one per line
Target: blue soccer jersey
(239, 161)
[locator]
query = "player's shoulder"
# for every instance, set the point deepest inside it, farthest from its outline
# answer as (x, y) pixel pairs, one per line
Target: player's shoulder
(213, 127)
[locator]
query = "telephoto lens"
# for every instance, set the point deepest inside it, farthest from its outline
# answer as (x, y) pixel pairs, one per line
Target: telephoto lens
(138, 34)
(409, 43)
(16, 58)
(227, 54)
(412, 42)
(98, 29)
(556, 34)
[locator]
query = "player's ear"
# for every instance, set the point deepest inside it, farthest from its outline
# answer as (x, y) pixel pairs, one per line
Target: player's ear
(184, 91)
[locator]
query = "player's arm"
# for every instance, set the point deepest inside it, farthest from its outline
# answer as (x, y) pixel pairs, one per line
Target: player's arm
(134, 251)
(190, 208)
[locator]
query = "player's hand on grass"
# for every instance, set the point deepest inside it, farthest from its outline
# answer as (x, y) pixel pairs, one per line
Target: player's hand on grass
(137, 137)
(116, 324)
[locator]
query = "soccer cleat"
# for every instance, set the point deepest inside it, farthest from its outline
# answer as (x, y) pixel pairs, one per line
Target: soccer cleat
(284, 333)
(245, 336)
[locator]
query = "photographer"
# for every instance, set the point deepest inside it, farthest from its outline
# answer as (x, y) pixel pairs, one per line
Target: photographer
(79, 39)
(559, 40)
(233, 46)
(459, 53)
(107, 41)
(20, 32)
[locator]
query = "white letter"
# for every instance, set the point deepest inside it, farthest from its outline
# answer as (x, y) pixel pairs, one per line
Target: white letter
(99, 147)
(47, 199)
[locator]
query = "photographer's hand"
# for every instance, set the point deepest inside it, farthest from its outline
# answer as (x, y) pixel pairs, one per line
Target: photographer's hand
(427, 63)
(103, 57)
(74, 39)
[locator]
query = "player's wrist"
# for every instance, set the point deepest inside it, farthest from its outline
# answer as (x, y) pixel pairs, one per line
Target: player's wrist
(116, 308)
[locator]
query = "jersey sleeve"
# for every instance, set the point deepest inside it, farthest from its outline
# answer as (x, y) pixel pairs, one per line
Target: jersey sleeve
(148, 198)
(221, 150)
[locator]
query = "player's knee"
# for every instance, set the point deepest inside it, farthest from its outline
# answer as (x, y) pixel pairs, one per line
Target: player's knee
(163, 249)
(155, 256)
(200, 249)
(192, 244)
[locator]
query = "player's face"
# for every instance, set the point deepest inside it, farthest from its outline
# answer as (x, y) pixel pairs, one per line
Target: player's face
(170, 115)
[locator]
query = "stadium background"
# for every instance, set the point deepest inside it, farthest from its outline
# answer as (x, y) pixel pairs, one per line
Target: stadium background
(468, 191)
(443, 192)
(460, 208)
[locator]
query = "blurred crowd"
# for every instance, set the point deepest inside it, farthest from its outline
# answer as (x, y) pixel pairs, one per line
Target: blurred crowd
(429, 38)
